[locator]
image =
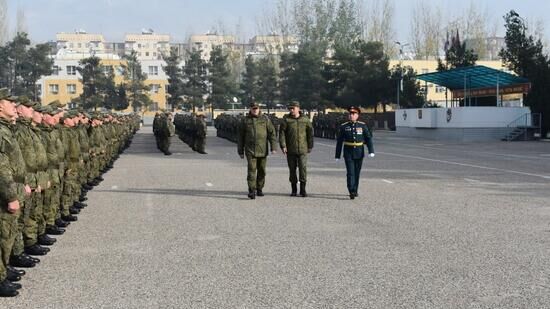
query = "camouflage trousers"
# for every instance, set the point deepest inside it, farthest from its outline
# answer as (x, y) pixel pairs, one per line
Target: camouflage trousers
(256, 172)
(8, 232)
(299, 162)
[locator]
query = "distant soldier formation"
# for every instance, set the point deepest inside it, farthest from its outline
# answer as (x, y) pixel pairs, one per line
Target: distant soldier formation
(327, 125)
(191, 129)
(49, 159)
(163, 129)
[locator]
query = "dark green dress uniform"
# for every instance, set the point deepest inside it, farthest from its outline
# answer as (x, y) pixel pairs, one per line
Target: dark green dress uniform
(353, 136)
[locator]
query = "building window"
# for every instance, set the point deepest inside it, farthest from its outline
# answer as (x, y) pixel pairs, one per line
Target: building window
(440, 89)
(79, 45)
(146, 54)
(71, 88)
(154, 54)
(155, 88)
(54, 88)
(56, 70)
(71, 70)
(139, 45)
(154, 107)
(153, 70)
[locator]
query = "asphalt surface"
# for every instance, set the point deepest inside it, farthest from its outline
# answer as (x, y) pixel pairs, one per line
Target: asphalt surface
(437, 225)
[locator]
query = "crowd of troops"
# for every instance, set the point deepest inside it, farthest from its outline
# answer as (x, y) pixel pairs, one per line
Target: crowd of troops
(327, 125)
(227, 125)
(163, 129)
(191, 129)
(49, 159)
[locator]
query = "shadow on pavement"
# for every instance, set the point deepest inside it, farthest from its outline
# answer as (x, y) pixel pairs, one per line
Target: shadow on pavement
(237, 195)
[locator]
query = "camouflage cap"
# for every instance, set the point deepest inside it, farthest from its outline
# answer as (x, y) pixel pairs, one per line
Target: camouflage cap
(5, 94)
(254, 104)
(50, 111)
(57, 104)
(25, 101)
(39, 108)
(293, 104)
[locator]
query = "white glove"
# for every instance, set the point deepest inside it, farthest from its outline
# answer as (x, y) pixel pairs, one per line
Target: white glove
(371, 155)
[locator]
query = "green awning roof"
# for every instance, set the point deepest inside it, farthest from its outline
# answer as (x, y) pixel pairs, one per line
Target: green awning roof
(473, 77)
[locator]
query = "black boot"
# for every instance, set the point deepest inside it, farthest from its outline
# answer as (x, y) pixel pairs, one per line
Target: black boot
(82, 198)
(32, 258)
(351, 196)
(294, 189)
(21, 261)
(303, 189)
(13, 276)
(19, 272)
(259, 192)
(61, 223)
(45, 240)
(36, 249)
(69, 218)
(251, 194)
(7, 290)
(74, 211)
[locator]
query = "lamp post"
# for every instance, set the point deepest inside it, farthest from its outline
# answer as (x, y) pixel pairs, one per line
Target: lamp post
(400, 81)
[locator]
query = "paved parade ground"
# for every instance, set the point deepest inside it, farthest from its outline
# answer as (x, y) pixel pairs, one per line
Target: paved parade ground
(436, 225)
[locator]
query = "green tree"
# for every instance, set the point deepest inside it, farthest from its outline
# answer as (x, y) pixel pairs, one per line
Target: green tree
(302, 77)
(37, 64)
(174, 72)
(267, 82)
(524, 55)
(249, 82)
(13, 63)
(373, 75)
(136, 89)
(411, 93)
(194, 77)
(93, 80)
(457, 55)
(221, 82)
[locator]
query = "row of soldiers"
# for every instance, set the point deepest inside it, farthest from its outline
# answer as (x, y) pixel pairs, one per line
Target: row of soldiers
(191, 129)
(327, 125)
(227, 125)
(163, 129)
(49, 159)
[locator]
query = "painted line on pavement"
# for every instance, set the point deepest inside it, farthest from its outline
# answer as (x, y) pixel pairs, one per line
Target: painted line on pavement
(209, 184)
(387, 181)
(467, 165)
(458, 163)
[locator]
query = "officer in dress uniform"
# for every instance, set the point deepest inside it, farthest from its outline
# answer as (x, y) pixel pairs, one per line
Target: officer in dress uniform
(352, 136)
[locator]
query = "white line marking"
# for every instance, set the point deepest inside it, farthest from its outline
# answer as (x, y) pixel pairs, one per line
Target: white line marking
(467, 165)
(459, 164)
(208, 184)
(114, 188)
(471, 180)
(387, 181)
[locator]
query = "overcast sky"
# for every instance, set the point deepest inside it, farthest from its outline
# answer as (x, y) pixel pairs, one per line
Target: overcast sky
(179, 18)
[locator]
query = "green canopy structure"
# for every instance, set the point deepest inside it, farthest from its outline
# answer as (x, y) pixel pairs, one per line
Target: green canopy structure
(477, 81)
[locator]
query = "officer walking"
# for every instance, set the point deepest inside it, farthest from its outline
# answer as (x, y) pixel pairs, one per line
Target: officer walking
(255, 133)
(353, 135)
(296, 141)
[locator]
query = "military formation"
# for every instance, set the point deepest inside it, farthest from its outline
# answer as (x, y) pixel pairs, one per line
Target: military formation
(327, 125)
(49, 159)
(163, 129)
(191, 129)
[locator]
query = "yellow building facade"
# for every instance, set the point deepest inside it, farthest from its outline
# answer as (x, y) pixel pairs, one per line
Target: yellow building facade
(65, 85)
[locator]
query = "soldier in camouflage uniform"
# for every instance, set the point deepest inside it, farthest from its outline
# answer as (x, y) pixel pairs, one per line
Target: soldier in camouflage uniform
(256, 134)
(12, 176)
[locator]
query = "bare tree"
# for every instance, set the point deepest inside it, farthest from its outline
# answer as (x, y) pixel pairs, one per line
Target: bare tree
(21, 25)
(426, 30)
(380, 24)
(3, 22)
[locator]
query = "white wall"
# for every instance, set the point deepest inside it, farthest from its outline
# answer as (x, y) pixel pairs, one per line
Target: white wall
(461, 117)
